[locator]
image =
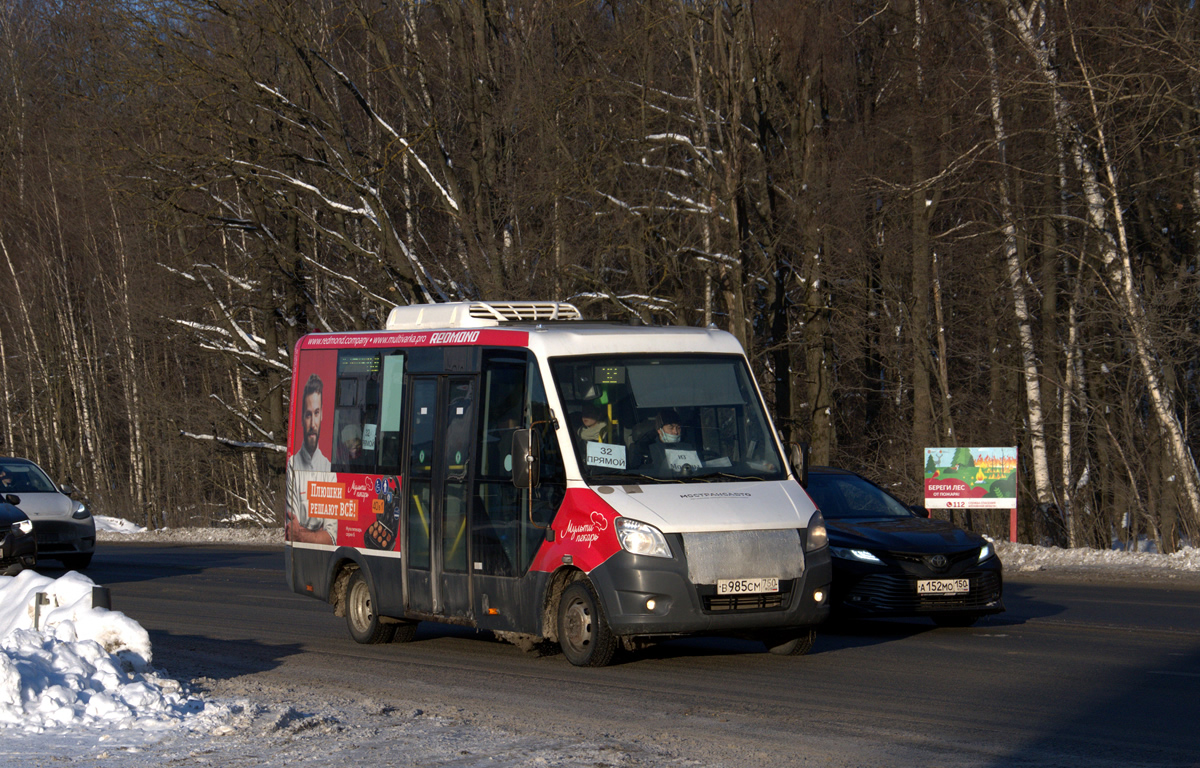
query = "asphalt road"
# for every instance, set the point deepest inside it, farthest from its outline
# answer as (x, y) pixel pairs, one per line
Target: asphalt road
(1077, 672)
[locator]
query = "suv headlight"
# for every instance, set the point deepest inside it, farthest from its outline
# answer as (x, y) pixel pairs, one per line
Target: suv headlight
(817, 535)
(81, 511)
(641, 539)
(24, 526)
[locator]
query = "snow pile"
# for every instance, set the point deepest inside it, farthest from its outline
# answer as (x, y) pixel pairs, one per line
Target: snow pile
(1027, 557)
(66, 664)
(116, 525)
(116, 529)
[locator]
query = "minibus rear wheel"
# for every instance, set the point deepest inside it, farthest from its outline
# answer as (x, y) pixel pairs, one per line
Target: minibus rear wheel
(583, 631)
(365, 626)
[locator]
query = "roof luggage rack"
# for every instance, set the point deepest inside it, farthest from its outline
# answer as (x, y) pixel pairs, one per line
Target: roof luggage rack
(478, 314)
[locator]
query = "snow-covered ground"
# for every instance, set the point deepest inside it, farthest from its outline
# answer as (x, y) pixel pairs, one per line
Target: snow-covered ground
(77, 683)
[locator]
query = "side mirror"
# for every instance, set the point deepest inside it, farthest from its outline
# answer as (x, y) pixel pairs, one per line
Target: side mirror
(13, 499)
(798, 456)
(68, 489)
(919, 510)
(527, 460)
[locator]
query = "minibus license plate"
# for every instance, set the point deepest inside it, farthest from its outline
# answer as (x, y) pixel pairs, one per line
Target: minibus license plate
(747, 586)
(944, 587)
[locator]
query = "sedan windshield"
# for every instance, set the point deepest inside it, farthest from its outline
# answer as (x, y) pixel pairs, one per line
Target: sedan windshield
(668, 418)
(21, 477)
(844, 497)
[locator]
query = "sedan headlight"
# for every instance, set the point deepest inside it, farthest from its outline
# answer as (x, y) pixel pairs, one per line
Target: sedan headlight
(985, 552)
(81, 511)
(817, 535)
(861, 555)
(641, 539)
(24, 526)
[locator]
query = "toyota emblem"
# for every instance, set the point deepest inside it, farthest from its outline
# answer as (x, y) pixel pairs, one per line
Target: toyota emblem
(938, 561)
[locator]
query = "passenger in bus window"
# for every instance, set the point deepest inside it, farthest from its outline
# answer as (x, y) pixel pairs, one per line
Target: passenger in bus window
(350, 450)
(308, 459)
(594, 427)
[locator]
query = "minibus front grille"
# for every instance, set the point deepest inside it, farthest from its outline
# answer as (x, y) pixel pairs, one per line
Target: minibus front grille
(712, 556)
(726, 603)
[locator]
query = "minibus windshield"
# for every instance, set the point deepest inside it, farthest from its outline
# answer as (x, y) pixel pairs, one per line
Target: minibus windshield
(666, 418)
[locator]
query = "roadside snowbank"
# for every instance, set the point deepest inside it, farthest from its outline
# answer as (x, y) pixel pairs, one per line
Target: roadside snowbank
(65, 664)
(1027, 557)
(116, 529)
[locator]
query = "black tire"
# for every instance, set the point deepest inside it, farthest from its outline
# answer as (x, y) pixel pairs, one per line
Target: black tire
(76, 562)
(364, 625)
(583, 631)
(794, 643)
(404, 632)
(954, 619)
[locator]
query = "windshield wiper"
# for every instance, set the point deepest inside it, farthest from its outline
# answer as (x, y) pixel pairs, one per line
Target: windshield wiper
(619, 476)
(710, 477)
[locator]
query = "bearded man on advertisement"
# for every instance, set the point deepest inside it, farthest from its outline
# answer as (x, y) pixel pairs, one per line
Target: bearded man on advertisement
(304, 466)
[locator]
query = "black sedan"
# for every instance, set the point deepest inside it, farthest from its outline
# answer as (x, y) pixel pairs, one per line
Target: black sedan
(18, 545)
(893, 560)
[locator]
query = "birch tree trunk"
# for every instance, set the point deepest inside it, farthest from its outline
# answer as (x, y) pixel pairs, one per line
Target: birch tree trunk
(129, 369)
(1107, 219)
(1016, 279)
(33, 353)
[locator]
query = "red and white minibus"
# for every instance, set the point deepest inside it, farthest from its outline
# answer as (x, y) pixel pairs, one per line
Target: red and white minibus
(514, 468)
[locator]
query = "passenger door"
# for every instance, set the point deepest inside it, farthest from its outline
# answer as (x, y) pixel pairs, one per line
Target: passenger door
(438, 495)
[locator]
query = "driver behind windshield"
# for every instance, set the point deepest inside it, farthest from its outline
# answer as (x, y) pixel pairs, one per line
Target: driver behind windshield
(664, 449)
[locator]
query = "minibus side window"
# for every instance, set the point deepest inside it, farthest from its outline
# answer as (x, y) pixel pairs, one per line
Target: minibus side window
(356, 414)
(391, 397)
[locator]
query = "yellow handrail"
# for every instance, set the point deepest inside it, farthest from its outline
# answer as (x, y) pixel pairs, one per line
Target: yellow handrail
(421, 513)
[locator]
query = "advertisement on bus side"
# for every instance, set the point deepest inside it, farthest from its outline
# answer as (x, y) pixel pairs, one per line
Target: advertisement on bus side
(324, 507)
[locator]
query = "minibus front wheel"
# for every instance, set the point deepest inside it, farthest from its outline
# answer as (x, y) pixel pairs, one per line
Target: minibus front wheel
(364, 624)
(583, 631)
(793, 643)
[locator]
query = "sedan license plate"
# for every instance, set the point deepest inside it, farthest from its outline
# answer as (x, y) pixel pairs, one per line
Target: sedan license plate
(943, 587)
(747, 586)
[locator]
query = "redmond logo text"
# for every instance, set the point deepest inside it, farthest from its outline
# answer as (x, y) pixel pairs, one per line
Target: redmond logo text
(457, 337)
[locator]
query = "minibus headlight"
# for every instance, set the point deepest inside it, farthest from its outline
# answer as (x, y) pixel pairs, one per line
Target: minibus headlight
(24, 526)
(641, 539)
(817, 535)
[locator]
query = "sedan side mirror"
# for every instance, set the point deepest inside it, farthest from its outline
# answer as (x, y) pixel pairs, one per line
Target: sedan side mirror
(919, 510)
(68, 489)
(13, 499)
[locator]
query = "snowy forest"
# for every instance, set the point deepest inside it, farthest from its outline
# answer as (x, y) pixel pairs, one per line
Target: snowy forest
(929, 222)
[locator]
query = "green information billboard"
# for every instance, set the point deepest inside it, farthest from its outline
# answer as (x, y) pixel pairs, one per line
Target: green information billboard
(971, 478)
